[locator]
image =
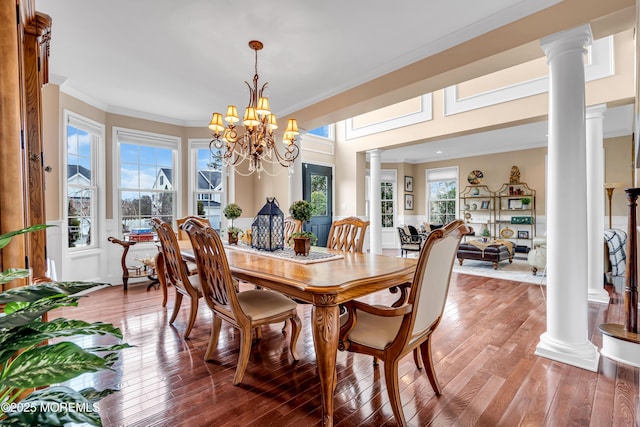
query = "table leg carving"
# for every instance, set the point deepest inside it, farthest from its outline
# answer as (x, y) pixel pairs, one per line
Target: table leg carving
(326, 327)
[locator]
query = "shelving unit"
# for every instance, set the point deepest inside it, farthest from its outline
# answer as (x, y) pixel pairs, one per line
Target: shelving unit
(477, 208)
(516, 221)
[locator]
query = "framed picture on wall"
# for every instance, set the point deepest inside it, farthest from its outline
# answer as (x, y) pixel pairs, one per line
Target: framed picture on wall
(408, 202)
(408, 184)
(523, 234)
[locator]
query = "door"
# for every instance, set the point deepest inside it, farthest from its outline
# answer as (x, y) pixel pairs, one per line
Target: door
(317, 185)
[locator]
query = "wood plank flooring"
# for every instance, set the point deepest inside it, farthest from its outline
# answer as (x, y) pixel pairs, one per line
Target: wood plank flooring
(483, 351)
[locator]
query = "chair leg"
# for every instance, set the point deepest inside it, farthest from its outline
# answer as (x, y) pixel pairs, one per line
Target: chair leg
(176, 307)
(216, 325)
(296, 326)
(284, 327)
(417, 357)
(425, 349)
(193, 312)
(243, 357)
(393, 388)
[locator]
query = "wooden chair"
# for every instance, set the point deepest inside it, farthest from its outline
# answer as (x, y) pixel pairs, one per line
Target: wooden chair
(347, 234)
(245, 310)
(182, 235)
(389, 333)
(176, 272)
(290, 226)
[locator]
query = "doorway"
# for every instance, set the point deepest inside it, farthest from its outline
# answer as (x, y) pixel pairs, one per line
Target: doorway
(317, 189)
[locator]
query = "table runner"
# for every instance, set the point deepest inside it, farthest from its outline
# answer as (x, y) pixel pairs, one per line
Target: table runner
(288, 254)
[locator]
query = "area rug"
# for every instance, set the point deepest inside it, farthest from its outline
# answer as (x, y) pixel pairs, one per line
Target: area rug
(518, 271)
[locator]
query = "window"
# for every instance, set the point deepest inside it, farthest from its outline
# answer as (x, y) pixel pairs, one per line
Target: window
(319, 194)
(81, 204)
(386, 200)
(207, 184)
(442, 193)
(323, 131)
(148, 177)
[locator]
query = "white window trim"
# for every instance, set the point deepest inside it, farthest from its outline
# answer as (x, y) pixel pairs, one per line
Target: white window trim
(150, 139)
(99, 172)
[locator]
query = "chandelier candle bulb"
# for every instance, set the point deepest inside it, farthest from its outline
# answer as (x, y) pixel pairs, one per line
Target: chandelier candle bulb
(256, 143)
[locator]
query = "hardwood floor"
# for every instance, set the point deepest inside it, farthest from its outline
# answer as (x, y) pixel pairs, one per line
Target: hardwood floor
(483, 351)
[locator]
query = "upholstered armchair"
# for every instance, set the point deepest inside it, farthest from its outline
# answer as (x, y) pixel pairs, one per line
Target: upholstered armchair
(537, 256)
(408, 242)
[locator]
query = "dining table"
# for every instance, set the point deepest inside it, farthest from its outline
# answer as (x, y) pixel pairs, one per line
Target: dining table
(338, 278)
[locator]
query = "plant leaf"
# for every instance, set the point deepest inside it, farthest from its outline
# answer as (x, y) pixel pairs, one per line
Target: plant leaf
(6, 238)
(37, 332)
(93, 395)
(12, 274)
(35, 310)
(46, 289)
(57, 406)
(41, 366)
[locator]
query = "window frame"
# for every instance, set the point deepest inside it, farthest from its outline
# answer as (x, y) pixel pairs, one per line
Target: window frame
(98, 178)
(150, 139)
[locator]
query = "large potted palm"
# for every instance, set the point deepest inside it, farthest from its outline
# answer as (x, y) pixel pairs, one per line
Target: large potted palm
(33, 355)
(302, 240)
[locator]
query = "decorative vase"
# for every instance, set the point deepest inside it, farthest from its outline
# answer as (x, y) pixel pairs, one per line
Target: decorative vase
(475, 192)
(301, 245)
(233, 238)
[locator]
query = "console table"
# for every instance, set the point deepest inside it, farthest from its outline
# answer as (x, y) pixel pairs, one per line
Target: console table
(147, 269)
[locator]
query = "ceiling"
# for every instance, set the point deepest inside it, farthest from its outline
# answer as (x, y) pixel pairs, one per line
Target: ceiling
(177, 62)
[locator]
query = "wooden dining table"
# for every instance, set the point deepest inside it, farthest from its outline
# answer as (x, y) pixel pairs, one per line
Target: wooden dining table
(325, 285)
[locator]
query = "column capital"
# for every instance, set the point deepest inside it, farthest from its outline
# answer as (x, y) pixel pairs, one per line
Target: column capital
(596, 111)
(375, 152)
(565, 41)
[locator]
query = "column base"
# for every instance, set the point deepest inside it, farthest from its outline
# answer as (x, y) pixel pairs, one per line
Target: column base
(620, 345)
(583, 356)
(600, 296)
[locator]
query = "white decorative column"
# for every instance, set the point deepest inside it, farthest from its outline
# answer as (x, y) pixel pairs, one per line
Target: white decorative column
(595, 203)
(566, 338)
(375, 200)
(295, 182)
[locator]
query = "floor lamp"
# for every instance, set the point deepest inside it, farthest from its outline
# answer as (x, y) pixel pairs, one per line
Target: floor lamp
(610, 186)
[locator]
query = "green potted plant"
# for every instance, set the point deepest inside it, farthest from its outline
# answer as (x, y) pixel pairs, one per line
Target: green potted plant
(233, 211)
(526, 201)
(300, 210)
(30, 362)
(485, 233)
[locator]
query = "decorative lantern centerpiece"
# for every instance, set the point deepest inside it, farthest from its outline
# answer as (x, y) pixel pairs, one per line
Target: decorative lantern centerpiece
(267, 229)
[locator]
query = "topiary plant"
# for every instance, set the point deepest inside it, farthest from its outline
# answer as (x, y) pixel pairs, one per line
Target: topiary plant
(301, 210)
(232, 211)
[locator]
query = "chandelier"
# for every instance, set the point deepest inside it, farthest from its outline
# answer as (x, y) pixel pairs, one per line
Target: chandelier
(257, 144)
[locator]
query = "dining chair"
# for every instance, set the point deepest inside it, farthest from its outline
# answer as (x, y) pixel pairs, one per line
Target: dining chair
(347, 234)
(290, 226)
(390, 333)
(245, 310)
(182, 235)
(177, 273)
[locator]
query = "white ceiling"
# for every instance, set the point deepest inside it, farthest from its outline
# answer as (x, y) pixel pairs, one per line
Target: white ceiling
(178, 61)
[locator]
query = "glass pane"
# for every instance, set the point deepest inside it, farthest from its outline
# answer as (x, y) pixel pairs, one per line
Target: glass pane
(148, 177)
(319, 195)
(129, 176)
(164, 157)
(129, 153)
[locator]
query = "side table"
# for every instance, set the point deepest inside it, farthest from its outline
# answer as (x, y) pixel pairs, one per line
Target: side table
(147, 269)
